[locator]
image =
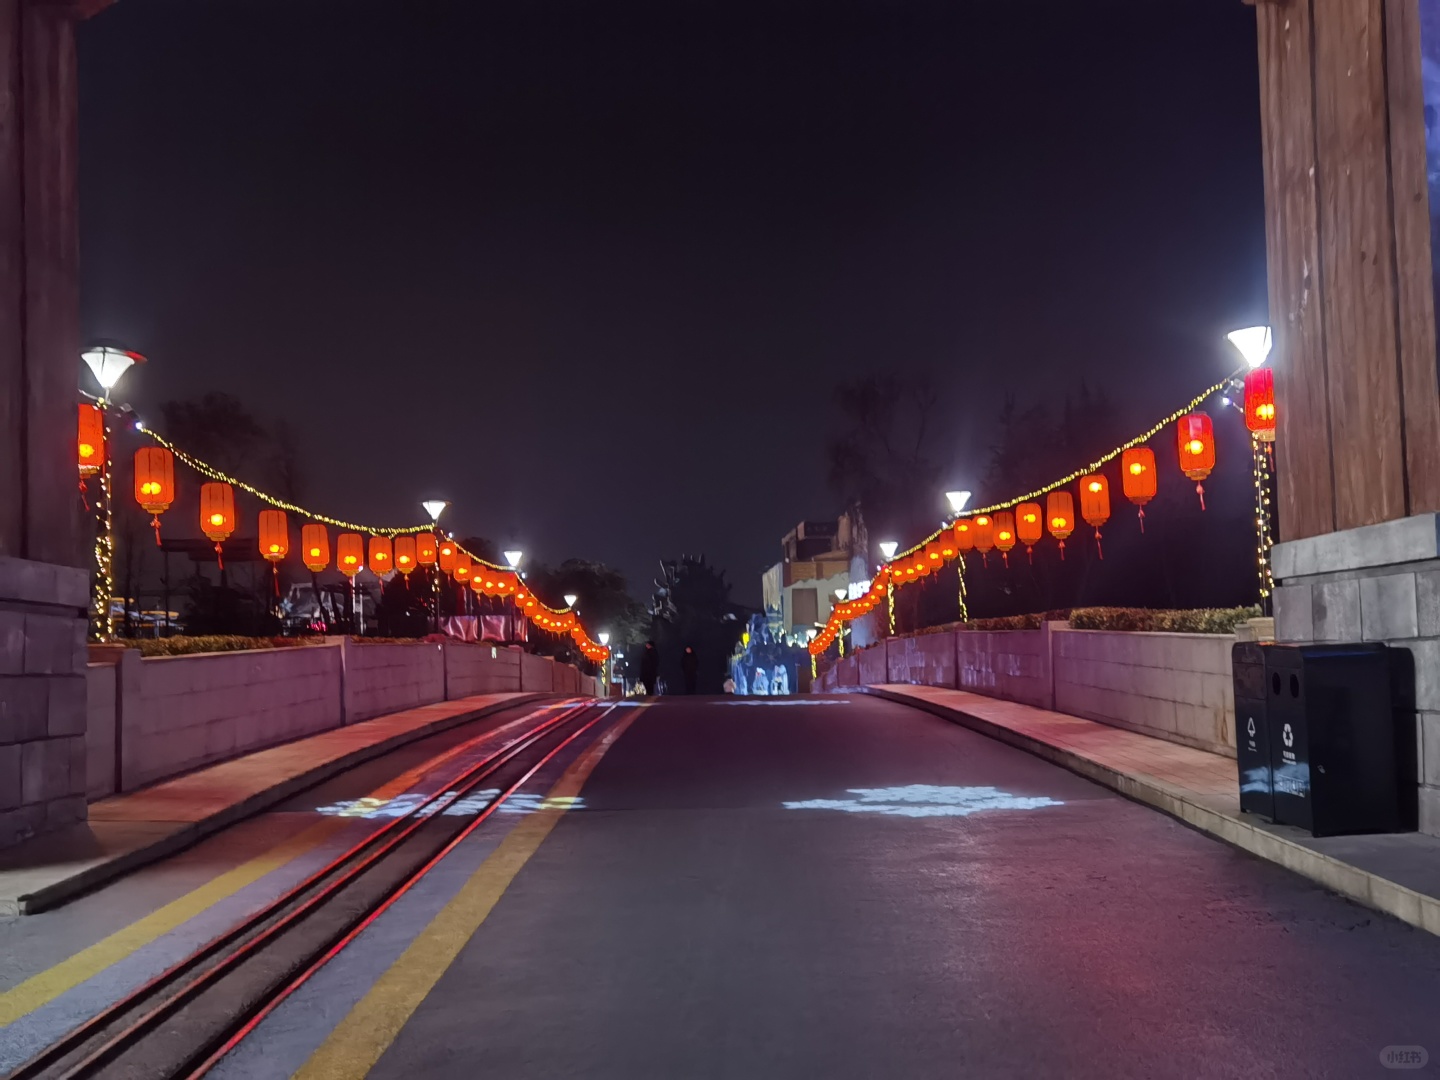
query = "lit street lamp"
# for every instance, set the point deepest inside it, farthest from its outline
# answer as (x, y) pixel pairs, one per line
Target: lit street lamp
(109, 365)
(958, 499)
(435, 507)
(570, 599)
(888, 549)
(1253, 343)
(512, 558)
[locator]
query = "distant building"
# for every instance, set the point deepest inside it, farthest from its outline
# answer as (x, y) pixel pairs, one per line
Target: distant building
(817, 559)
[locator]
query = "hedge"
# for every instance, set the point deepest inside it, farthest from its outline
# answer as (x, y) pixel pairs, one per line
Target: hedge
(1144, 620)
(181, 645)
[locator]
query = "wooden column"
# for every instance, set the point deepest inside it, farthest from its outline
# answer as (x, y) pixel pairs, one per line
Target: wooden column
(39, 286)
(1348, 240)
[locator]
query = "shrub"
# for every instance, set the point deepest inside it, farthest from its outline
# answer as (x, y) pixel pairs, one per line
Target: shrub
(183, 645)
(1197, 621)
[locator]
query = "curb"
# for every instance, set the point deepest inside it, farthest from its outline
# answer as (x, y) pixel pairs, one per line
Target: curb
(1415, 908)
(61, 892)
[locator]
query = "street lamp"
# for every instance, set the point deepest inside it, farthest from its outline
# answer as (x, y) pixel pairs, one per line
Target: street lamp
(108, 364)
(1253, 343)
(512, 558)
(570, 599)
(840, 594)
(888, 549)
(435, 507)
(958, 499)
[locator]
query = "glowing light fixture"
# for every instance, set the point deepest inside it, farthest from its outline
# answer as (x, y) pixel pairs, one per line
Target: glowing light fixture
(108, 364)
(840, 594)
(570, 599)
(888, 549)
(512, 558)
(1253, 343)
(958, 500)
(604, 637)
(435, 507)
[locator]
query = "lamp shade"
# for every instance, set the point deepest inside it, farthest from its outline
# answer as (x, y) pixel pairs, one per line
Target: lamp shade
(315, 547)
(405, 554)
(274, 535)
(350, 554)
(382, 555)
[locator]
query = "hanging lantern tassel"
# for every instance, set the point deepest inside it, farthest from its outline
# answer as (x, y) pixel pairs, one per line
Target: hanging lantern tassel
(1142, 519)
(1200, 490)
(155, 524)
(1062, 550)
(84, 495)
(219, 555)
(275, 573)
(1098, 549)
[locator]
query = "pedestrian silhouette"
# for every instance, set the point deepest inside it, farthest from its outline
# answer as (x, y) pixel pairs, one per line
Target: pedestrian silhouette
(690, 668)
(649, 668)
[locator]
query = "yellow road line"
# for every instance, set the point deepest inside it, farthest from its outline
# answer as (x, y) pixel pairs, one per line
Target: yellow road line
(356, 1044)
(46, 986)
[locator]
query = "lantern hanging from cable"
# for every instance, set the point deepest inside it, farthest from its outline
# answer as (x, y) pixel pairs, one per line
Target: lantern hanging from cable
(983, 526)
(448, 552)
(1029, 526)
(382, 556)
(217, 515)
(406, 556)
(1196, 438)
(1137, 477)
(315, 547)
(1005, 534)
(1260, 404)
(350, 554)
(964, 538)
(935, 554)
(425, 549)
(464, 566)
(479, 583)
(154, 482)
(1060, 516)
(274, 541)
(90, 444)
(1095, 504)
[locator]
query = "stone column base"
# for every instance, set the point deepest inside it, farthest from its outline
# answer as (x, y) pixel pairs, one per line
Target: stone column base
(1376, 583)
(42, 697)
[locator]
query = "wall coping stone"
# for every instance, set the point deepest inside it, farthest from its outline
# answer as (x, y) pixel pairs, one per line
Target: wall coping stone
(27, 581)
(1404, 540)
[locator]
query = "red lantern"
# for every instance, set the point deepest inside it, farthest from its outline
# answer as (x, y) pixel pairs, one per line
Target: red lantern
(274, 541)
(964, 537)
(464, 566)
(983, 526)
(1060, 516)
(315, 547)
(935, 554)
(154, 482)
(1137, 477)
(217, 515)
(350, 554)
(1005, 533)
(1260, 404)
(448, 552)
(382, 556)
(425, 549)
(1196, 438)
(1095, 503)
(1029, 526)
(405, 554)
(90, 446)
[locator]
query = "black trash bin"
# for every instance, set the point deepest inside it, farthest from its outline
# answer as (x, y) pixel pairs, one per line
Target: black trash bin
(1332, 738)
(1252, 730)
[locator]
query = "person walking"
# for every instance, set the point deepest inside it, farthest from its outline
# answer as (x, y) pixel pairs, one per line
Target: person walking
(649, 668)
(690, 668)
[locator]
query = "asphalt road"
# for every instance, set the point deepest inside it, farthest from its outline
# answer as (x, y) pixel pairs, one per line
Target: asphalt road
(818, 887)
(846, 888)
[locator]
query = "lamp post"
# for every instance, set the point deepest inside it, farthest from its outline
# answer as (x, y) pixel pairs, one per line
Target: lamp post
(512, 560)
(108, 364)
(435, 507)
(604, 639)
(958, 501)
(887, 551)
(1253, 343)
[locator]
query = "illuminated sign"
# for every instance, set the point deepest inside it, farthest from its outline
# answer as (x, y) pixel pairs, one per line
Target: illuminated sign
(857, 589)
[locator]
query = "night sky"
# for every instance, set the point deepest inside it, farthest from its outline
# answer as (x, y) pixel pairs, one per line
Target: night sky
(590, 269)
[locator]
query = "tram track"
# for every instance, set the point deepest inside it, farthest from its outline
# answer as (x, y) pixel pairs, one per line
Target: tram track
(181, 1022)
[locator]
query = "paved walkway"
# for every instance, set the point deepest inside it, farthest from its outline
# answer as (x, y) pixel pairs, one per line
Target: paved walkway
(1397, 874)
(127, 831)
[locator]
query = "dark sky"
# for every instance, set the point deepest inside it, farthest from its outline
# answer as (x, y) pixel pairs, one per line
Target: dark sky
(590, 269)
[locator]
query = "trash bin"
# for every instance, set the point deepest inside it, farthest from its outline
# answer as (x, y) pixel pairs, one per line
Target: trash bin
(1332, 738)
(1252, 730)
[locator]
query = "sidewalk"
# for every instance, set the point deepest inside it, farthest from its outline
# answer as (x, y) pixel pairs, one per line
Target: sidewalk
(1398, 874)
(126, 832)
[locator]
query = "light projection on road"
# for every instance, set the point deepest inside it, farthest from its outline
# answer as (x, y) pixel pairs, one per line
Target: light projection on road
(471, 805)
(775, 703)
(926, 800)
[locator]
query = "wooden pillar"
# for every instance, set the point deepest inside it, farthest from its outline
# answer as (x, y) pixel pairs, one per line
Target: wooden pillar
(1348, 240)
(43, 588)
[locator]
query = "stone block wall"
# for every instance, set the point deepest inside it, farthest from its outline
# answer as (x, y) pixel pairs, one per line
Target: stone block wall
(100, 730)
(1175, 686)
(872, 667)
(42, 697)
(1014, 665)
(382, 679)
(537, 674)
(196, 710)
(480, 669)
(1380, 583)
(926, 660)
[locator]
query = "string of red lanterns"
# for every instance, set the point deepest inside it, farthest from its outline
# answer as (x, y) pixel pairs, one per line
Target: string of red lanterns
(1022, 520)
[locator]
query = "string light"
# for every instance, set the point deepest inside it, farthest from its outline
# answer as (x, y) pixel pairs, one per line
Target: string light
(964, 606)
(1264, 534)
(1031, 496)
